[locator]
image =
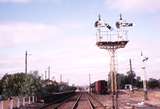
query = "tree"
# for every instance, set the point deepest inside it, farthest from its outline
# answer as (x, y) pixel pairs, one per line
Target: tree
(153, 83)
(0, 87)
(131, 76)
(121, 81)
(20, 84)
(49, 86)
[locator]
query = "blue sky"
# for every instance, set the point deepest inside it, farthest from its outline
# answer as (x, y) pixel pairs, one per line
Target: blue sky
(61, 33)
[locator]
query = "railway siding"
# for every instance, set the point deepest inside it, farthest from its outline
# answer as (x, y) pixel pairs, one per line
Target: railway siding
(97, 104)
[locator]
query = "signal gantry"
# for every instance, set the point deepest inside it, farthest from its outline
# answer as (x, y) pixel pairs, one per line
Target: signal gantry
(111, 40)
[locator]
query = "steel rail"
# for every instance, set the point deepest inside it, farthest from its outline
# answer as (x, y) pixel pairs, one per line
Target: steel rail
(94, 98)
(60, 104)
(76, 103)
(91, 104)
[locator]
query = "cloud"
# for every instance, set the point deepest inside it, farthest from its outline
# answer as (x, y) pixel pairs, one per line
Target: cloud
(30, 1)
(68, 53)
(18, 33)
(54, 40)
(134, 5)
(15, 1)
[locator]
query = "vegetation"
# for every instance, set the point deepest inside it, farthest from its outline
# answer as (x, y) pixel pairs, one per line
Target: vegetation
(21, 84)
(153, 83)
(135, 81)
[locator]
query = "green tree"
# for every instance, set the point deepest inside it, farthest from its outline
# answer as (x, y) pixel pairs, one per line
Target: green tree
(20, 84)
(121, 80)
(153, 83)
(131, 77)
(1, 87)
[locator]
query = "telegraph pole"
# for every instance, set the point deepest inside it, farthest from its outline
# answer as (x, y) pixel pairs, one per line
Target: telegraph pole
(89, 82)
(131, 71)
(145, 85)
(26, 54)
(60, 78)
(49, 72)
(144, 59)
(45, 74)
(130, 64)
(26, 62)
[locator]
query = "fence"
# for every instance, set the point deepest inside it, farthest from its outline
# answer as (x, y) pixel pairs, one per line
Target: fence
(16, 102)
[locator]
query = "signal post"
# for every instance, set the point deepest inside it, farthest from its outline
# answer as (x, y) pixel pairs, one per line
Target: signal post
(111, 40)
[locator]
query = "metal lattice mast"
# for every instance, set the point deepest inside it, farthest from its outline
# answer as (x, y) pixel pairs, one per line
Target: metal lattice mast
(111, 41)
(113, 74)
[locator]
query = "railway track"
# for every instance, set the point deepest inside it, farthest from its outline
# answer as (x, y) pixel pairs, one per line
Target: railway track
(68, 103)
(90, 101)
(96, 103)
(81, 101)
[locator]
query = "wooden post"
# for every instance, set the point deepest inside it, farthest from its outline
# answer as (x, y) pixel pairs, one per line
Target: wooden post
(32, 99)
(18, 102)
(36, 99)
(11, 103)
(29, 100)
(1, 104)
(23, 101)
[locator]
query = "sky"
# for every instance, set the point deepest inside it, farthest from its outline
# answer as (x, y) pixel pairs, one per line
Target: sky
(61, 34)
